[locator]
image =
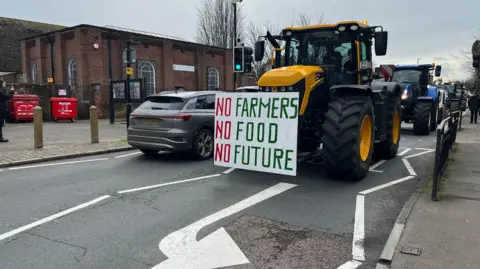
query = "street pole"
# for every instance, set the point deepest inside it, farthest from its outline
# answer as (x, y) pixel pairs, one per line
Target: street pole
(234, 38)
(127, 89)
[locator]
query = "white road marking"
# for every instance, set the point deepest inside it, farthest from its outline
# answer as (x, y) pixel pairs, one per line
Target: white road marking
(425, 149)
(350, 265)
(376, 165)
(217, 249)
(391, 183)
(169, 183)
(418, 154)
(54, 164)
(409, 167)
(376, 171)
(126, 155)
(52, 217)
(404, 152)
(228, 171)
(358, 252)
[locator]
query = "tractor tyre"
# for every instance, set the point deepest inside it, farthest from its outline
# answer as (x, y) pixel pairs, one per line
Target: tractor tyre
(348, 137)
(422, 116)
(388, 149)
(433, 122)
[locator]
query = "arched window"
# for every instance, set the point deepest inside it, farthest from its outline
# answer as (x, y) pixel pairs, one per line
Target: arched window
(34, 72)
(72, 70)
(146, 70)
(213, 79)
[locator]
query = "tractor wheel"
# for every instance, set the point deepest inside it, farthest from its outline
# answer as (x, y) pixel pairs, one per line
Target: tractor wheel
(348, 136)
(422, 116)
(433, 122)
(388, 149)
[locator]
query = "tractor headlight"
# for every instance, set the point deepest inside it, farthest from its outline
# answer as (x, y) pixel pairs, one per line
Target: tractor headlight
(405, 94)
(354, 27)
(267, 89)
(282, 89)
(342, 28)
(290, 88)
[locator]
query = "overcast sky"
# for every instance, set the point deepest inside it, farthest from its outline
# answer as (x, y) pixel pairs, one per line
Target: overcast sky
(433, 30)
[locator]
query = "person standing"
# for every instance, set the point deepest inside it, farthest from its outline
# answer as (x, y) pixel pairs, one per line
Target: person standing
(473, 105)
(4, 97)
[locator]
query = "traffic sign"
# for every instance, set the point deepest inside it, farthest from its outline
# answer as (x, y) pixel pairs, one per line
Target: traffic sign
(129, 71)
(50, 80)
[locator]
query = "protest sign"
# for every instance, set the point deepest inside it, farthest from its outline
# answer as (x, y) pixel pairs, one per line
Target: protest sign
(257, 131)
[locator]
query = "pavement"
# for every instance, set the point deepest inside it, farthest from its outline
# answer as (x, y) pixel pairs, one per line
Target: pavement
(444, 234)
(127, 210)
(61, 140)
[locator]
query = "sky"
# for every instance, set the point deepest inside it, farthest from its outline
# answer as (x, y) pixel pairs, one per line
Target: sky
(429, 30)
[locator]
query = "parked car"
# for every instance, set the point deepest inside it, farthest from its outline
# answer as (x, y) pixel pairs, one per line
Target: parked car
(174, 121)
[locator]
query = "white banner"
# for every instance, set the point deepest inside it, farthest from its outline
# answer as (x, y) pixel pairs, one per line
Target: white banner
(257, 131)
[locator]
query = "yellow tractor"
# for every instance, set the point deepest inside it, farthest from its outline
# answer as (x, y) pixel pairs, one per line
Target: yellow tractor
(343, 111)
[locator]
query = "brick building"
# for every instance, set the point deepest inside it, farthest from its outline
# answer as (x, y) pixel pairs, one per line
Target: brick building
(88, 57)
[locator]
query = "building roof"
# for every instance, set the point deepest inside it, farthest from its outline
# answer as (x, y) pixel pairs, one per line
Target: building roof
(144, 33)
(10, 31)
(121, 30)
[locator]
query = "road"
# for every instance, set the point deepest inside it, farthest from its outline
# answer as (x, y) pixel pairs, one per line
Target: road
(125, 210)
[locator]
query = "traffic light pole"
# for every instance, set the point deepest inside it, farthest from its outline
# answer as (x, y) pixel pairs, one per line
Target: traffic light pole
(234, 40)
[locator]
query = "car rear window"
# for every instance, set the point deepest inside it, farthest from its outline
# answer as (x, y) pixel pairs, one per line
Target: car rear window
(163, 103)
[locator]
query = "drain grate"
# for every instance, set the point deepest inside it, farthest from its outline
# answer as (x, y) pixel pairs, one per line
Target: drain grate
(411, 250)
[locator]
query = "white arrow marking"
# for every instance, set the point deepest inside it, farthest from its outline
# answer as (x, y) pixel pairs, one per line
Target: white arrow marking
(418, 154)
(215, 250)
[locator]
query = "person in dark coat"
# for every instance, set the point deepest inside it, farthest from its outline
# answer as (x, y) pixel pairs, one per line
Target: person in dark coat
(473, 105)
(4, 97)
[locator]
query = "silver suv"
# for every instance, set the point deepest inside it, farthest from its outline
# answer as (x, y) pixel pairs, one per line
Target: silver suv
(174, 121)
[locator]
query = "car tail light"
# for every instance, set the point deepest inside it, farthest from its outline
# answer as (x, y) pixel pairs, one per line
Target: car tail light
(184, 117)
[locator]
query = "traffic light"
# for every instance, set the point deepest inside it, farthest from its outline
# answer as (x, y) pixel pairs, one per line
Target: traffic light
(238, 59)
(247, 58)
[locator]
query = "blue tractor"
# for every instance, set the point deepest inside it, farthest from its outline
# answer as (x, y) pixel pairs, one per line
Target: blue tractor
(420, 97)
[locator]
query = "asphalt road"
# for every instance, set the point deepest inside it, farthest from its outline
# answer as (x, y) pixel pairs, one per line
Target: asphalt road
(197, 213)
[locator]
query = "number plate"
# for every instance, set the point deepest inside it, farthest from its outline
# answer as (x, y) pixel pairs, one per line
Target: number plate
(150, 122)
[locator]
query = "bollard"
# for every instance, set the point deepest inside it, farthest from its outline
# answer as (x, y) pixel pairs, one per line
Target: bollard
(93, 124)
(38, 127)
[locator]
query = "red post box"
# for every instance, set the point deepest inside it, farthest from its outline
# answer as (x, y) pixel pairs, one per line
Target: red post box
(64, 108)
(20, 106)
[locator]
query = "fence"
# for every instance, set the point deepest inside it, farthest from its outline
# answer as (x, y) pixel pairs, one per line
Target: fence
(446, 136)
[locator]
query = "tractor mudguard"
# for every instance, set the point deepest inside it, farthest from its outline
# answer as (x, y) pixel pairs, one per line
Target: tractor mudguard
(350, 88)
(392, 87)
(422, 99)
(432, 92)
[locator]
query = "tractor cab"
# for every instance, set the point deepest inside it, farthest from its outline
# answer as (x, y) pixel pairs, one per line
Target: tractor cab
(333, 54)
(419, 77)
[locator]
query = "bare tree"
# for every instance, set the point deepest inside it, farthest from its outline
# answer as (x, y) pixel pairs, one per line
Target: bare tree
(252, 35)
(215, 20)
(304, 19)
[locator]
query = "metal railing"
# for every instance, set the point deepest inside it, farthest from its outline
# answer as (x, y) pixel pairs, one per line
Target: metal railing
(446, 136)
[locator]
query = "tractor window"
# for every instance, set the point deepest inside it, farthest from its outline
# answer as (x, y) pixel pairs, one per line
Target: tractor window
(343, 50)
(407, 76)
(363, 53)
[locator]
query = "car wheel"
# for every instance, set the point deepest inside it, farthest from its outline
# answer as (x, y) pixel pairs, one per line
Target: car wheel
(149, 152)
(203, 144)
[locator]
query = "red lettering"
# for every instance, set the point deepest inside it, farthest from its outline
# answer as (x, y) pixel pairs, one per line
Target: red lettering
(223, 129)
(223, 107)
(222, 152)
(228, 107)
